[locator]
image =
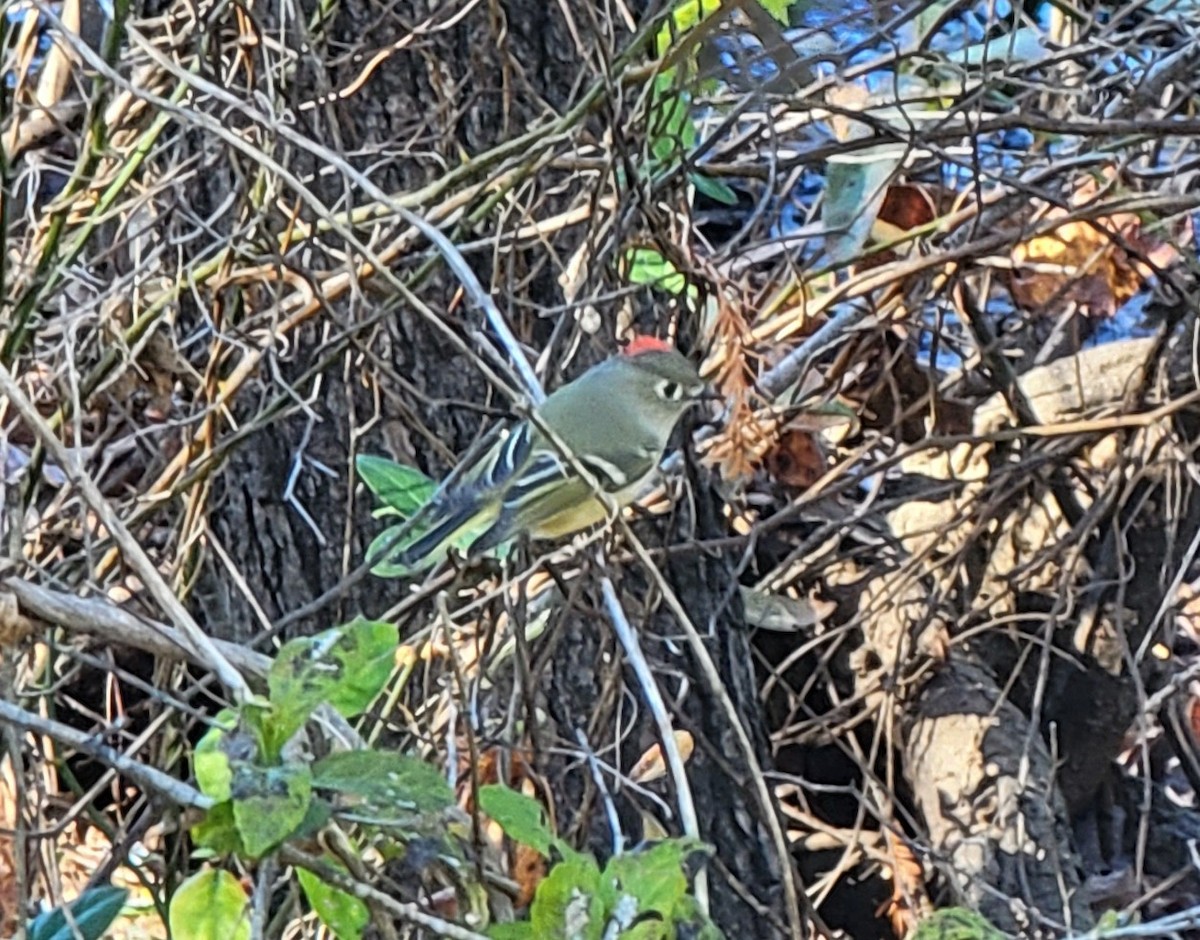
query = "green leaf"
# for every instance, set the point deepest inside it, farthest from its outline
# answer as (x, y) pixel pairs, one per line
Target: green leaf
(517, 930)
(955, 923)
(385, 549)
(777, 9)
(684, 17)
(340, 911)
(654, 876)
(714, 189)
(211, 757)
(269, 804)
(210, 905)
(671, 127)
(647, 266)
(346, 666)
(521, 817)
(404, 490)
(646, 930)
(315, 819)
(566, 903)
(217, 831)
(854, 193)
(392, 787)
(92, 913)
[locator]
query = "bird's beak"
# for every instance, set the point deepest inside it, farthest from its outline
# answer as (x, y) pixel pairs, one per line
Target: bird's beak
(708, 394)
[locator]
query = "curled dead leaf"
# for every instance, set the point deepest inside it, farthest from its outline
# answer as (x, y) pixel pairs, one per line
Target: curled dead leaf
(779, 613)
(796, 459)
(1085, 261)
(528, 871)
(14, 626)
(652, 764)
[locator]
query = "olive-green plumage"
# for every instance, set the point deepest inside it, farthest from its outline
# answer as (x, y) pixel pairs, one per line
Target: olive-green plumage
(615, 421)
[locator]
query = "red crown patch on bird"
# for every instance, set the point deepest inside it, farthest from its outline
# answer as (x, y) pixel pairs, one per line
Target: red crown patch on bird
(644, 344)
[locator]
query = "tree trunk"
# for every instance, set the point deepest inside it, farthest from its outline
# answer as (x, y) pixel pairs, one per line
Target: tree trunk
(500, 69)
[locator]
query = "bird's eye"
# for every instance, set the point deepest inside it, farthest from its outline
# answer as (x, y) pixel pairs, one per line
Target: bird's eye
(672, 391)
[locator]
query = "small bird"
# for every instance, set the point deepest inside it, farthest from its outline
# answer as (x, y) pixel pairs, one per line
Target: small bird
(615, 421)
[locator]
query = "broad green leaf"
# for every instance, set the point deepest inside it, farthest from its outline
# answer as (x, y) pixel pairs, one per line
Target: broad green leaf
(346, 666)
(647, 266)
(955, 923)
(777, 9)
(854, 191)
(566, 903)
(647, 930)
(653, 876)
(521, 817)
(684, 17)
(401, 489)
(366, 653)
(211, 757)
(391, 786)
(671, 126)
(210, 905)
(714, 189)
(342, 913)
(92, 913)
(217, 831)
(269, 804)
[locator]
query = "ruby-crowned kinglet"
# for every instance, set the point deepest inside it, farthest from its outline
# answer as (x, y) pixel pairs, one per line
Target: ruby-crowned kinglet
(614, 420)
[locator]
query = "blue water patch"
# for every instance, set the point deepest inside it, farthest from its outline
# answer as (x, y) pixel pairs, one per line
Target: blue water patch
(1128, 322)
(970, 25)
(738, 49)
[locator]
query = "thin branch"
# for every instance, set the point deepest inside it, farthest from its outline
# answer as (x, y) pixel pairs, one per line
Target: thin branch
(409, 913)
(134, 554)
(148, 778)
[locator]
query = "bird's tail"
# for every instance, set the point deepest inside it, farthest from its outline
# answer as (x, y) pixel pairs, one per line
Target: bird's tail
(443, 532)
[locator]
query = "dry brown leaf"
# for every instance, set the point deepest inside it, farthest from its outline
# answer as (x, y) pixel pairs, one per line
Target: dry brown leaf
(906, 207)
(9, 818)
(1081, 261)
(742, 445)
(796, 460)
(526, 866)
(652, 764)
(14, 626)
(528, 871)
(909, 900)
(652, 828)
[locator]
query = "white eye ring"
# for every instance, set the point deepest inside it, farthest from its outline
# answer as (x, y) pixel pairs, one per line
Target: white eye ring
(672, 391)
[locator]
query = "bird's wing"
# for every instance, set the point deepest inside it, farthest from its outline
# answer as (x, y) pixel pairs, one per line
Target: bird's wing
(461, 502)
(549, 487)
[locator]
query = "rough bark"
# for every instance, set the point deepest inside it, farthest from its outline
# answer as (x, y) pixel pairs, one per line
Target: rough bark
(1017, 727)
(447, 96)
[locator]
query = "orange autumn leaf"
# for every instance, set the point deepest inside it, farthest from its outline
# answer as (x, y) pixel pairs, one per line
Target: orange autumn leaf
(909, 900)
(528, 871)
(1084, 261)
